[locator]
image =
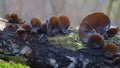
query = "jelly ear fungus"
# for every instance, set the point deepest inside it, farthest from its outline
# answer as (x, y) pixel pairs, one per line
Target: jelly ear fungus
(27, 27)
(7, 16)
(20, 31)
(96, 23)
(95, 41)
(109, 50)
(13, 18)
(43, 29)
(64, 24)
(56, 25)
(111, 32)
(36, 25)
(53, 26)
(12, 23)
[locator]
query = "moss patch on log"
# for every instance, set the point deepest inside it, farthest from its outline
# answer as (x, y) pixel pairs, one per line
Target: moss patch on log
(17, 58)
(12, 65)
(70, 40)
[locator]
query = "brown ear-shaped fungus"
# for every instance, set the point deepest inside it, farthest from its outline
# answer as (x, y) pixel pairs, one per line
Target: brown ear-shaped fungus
(97, 22)
(14, 16)
(36, 24)
(43, 29)
(112, 32)
(109, 50)
(95, 41)
(20, 31)
(64, 23)
(53, 26)
(7, 16)
(27, 27)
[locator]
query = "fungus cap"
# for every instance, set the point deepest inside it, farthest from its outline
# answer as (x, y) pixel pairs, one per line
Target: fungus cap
(93, 23)
(110, 47)
(14, 16)
(95, 41)
(64, 21)
(35, 22)
(53, 20)
(20, 31)
(27, 27)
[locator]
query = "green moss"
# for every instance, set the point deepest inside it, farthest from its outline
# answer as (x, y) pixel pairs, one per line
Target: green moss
(12, 65)
(69, 41)
(115, 40)
(17, 58)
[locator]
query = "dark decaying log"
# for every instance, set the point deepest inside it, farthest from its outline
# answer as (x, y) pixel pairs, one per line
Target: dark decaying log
(30, 40)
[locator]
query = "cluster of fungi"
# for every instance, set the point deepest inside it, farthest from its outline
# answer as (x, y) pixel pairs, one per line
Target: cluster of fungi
(93, 30)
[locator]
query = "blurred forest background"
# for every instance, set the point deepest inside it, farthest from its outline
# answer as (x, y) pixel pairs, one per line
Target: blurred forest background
(76, 10)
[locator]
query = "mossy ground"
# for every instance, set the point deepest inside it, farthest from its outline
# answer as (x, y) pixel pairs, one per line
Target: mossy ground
(12, 65)
(70, 40)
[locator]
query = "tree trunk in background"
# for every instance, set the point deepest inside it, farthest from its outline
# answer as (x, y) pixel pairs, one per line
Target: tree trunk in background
(20, 12)
(4, 7)
(110, 7)
(118, 15)
(58, 6)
